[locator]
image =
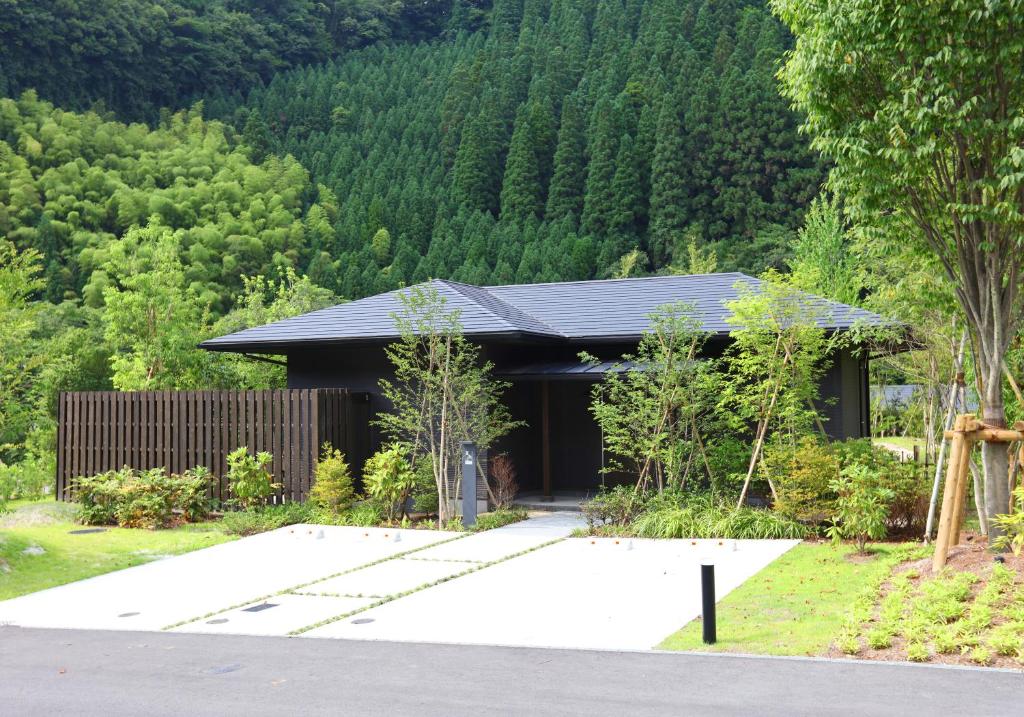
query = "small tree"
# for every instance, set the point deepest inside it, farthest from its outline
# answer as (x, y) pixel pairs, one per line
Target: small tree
(332, 487)
(648, 404)
(442, 393)
(774, 365)
(861, 508)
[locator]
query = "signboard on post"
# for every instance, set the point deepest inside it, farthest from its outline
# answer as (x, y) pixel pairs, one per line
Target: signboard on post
(468, 463)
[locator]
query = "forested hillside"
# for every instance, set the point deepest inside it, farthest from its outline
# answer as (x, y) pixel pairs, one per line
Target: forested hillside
(72, 184)
(138, 56)
(547, 146)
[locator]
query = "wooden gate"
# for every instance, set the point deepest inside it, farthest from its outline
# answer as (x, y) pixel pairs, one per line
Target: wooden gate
(99, 431)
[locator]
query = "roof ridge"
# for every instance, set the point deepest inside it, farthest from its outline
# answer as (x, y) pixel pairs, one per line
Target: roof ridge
(458, 287)
(488, 287)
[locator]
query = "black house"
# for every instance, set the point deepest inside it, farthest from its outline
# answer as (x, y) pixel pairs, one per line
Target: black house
(533, 333)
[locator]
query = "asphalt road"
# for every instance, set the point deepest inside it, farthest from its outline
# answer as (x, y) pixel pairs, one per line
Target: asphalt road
(56, 672)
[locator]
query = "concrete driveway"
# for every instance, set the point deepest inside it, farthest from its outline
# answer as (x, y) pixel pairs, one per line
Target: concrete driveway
(527, 584)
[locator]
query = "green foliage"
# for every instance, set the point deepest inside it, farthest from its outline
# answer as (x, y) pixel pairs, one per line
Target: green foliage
(365, 514)
(823, 262)
(142, 499)
(249, 480)
(802, 475)
(861, 507)
(776, 360)
(490, 148)
(701, 516)
(678, 514)
(332, 489)
(19, 359)
(389, 480)
(921, 116)
(152, 319)
(650, 406)
(137, 56)
(616, 506)
(31, 478)
(499, 517)
(1012, 525)
(73, 184)
(259, 519)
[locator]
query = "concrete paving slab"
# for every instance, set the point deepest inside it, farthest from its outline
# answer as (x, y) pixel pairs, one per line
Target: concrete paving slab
(579, 593)
(285, 613)
(389, 578)
(164, 592)
(508, 540)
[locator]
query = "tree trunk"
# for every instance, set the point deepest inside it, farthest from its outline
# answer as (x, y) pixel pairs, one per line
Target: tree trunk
(994, 459)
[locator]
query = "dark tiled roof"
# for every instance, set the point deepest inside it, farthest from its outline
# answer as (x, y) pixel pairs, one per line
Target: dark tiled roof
(613, 309)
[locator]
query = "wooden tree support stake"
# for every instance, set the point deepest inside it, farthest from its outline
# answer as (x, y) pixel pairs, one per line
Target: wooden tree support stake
(958, 445)
(967, 430)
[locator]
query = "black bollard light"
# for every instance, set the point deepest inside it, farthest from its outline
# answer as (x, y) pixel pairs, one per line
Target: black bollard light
(707, 590)
(468, 484)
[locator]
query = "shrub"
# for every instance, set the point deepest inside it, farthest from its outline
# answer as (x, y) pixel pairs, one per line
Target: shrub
(802, 475)
(332, 489)
(861, 508)
(141, 499)
(388, 479)
(617, 506)
(908, 505)
(31, 478)
(1012, 525)
(498, 518)
(424, 495)
(260, 519)
(248, 478)
(365, 514)
(504, 483)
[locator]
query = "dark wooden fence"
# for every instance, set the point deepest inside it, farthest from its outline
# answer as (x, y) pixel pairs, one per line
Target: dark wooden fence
(177, 430)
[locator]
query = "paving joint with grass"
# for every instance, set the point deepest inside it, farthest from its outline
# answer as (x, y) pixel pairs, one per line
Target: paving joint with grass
(293, 590)
(420, 588)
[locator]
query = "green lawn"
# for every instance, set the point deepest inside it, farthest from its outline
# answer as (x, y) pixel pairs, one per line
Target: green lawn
(74, 557)
(796, 605)
(905, 442)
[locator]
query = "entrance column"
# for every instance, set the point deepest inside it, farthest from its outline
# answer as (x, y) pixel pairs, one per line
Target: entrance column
(545, 445)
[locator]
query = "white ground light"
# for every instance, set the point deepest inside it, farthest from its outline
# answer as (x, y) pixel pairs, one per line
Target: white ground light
(527, 584)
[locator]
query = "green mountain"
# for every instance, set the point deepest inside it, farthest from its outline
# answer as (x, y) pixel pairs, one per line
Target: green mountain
(547, 145)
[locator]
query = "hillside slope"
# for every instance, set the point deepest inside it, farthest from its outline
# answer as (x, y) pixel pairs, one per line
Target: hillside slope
(547, 146)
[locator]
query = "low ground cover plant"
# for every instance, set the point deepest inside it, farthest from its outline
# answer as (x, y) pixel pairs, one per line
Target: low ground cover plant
(260, 519)
(680, 514)
(974, 616)
(142, 499)
(498, 518)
